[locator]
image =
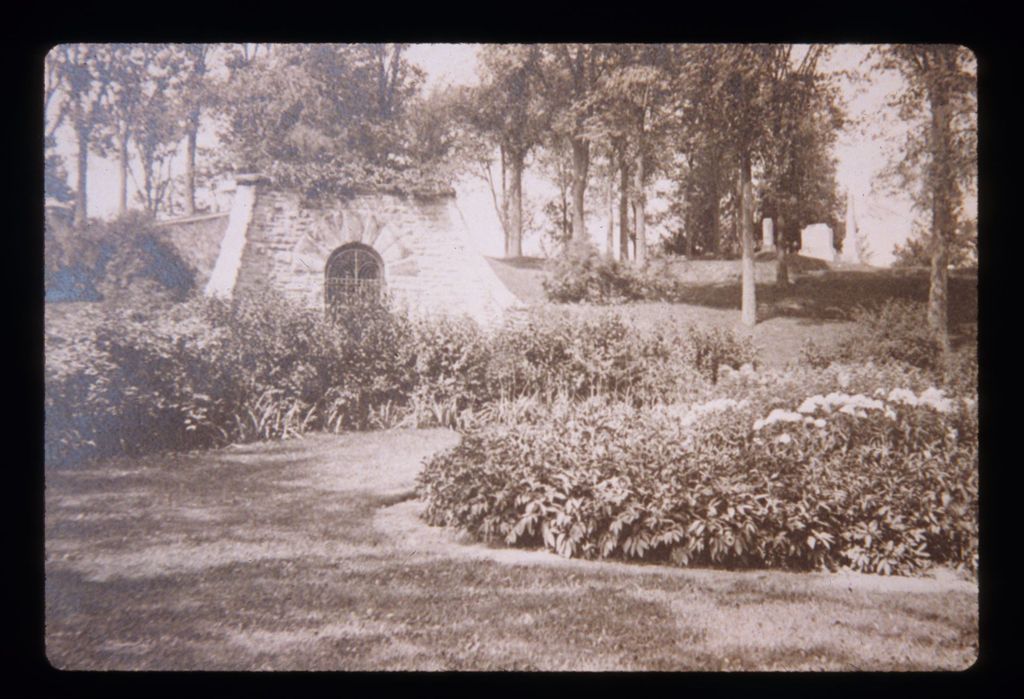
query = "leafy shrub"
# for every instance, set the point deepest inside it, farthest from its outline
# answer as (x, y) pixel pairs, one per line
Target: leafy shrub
(584, 274)
(126, 256)
(558, 355)
(895, 332)
(898, 334)
(885, 488)
(708, 349)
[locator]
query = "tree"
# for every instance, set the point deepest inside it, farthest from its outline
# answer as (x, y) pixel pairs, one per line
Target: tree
(509, 111)
(736, 88)
(556, 161)
(331, 118)
(632, 107)
(55, 176)
(81, 73)
(157, 131)
(196, 94)
(798, 185)
(938, 160)
(128, 78)
(575, 72)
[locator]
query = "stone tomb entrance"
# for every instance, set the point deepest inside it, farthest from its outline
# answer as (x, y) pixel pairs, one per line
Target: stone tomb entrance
(320, 253)
(354, 273)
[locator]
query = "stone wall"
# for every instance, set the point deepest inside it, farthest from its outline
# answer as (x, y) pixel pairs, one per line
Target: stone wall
(430, 266)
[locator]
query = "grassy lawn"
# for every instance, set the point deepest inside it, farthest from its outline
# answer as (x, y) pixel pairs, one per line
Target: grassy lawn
(817, 305)
(308, 554)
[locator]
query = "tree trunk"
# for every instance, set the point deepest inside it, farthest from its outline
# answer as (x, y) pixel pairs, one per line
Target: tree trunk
(641, 223)
(190, 164)
(610, 207)
(623, 212)
(749, 302)
(715, 244)
(580, 164)
(81, 195)
(943, 189)
(122, 182)
(514, 245)
(782, 266)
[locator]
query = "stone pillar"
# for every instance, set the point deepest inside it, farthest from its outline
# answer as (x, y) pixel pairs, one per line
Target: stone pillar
(225, 270)
(767, 235)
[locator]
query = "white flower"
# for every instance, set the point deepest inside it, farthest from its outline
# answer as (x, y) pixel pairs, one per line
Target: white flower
(936, 399)
(784, 438)
(844, 379)
(833, 399)
(811, 404)
(902, 395)
(851, 409)
(778, 415)
(860, 401)
(820, 422)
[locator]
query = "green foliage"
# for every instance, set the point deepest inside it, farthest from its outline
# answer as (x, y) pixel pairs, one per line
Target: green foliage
(208, 372)
(709, 349)
(897, 331)
(112, 259)
(897, 334)
(583, 274)
(962, 249)
(332, 119)
(555, 355)
(879, 490)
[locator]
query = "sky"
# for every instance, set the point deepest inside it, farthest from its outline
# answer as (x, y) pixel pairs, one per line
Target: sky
(882, 217)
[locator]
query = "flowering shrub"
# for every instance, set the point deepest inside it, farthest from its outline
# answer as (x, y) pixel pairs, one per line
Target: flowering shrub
(884, 484)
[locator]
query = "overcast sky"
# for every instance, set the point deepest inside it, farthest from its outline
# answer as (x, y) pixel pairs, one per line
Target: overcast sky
(885, 219)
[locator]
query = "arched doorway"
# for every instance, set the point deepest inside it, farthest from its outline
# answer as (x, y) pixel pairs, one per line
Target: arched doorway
(354, 273)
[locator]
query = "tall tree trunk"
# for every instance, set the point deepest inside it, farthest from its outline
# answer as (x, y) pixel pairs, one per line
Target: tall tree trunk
(610, 207)
(514, 246)
(943, 192)
(641, 223)
(190, 163)
(580, 165)
(81, 195)
(122, 182)
(749, 303)
(504, 198)
(623, 211)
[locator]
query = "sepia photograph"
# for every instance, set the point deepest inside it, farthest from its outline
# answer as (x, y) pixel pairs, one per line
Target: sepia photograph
(576, 357)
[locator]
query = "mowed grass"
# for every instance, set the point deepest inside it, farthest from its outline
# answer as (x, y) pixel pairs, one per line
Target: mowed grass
(818, 305)
(307, 555)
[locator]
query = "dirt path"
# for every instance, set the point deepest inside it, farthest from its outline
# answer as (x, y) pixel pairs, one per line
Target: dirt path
(309, 555)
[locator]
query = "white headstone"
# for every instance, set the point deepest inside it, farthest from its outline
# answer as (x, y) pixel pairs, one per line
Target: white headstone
(817, 242)
(767, 234)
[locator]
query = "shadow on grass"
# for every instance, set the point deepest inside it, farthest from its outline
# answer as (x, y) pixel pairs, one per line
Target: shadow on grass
(834, 295)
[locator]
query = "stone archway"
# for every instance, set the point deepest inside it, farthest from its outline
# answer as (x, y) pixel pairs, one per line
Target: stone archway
(354, 273)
